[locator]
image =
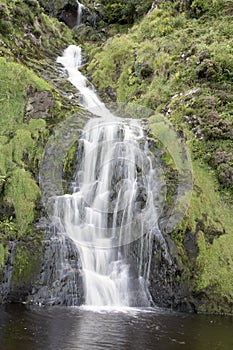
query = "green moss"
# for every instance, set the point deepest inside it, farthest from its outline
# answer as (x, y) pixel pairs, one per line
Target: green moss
(5, 159)
(117, 53)
(22, 192)
(22, 149)
(27, 260)
(209, 220)
(214, 262)
(15, 80)
(29, 33)
(2, 256)
(70, 162)
(8, 229)
(162, 129)
(215, 265)
(22, 145)
(206, 203)
(200, 7)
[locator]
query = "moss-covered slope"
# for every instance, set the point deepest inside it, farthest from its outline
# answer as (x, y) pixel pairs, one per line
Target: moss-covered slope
(30, 107)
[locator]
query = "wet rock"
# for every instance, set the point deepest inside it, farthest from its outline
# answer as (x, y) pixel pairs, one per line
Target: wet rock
(168, 288)
(19, 43)
(111, 93)
(19, 275)
(190, 244)
(45, 273)
(35, 41)
(6, 274)
(166, 284)
(68, 14)
(60, 280)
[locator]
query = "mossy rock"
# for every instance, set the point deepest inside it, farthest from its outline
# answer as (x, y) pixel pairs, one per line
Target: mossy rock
(28, 257)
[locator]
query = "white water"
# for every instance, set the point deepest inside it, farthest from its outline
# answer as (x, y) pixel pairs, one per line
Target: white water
(72, 60)
(113, 200)
(79, 13)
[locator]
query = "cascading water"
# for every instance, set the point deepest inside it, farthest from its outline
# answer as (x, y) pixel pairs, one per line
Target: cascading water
(72, 60)
(113, 203)
(79, 13)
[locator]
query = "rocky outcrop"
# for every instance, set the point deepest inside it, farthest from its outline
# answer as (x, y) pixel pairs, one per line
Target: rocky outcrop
(69, 14)
(39, 105)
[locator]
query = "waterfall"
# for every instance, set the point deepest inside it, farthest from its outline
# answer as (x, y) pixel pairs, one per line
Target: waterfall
(79, 13)
(114, 200)
(72, 60)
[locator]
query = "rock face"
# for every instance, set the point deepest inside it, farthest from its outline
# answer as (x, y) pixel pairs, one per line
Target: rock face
(71, 12)
(60, 279)
(47, 273)
(166, 284)
(39, 105)
(68, 14)
(169, 286)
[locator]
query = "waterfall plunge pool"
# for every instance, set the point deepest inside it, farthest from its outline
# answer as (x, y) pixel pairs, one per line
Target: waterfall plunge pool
(72, 328)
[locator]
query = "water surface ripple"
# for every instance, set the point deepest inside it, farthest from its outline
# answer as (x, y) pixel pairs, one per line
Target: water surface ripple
(87, 328)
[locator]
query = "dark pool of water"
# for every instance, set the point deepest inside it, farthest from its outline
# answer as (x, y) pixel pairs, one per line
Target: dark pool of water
(61, 328)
